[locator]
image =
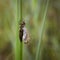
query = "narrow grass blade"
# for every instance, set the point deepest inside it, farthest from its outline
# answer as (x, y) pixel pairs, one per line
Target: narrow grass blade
(41, 31)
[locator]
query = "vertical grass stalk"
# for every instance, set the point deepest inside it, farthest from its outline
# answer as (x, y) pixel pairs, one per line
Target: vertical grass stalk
(21, 43)
(18, 55)
(38, 53)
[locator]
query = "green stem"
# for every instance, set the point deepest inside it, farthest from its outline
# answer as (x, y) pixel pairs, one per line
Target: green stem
(18, 55)
(21, 43)
(38, 53)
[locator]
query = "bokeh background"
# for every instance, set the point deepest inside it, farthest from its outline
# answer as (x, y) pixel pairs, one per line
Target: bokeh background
(42, 19)
(8, 13)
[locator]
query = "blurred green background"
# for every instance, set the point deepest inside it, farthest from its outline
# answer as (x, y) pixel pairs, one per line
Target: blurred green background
(42, 19)
(8, 13)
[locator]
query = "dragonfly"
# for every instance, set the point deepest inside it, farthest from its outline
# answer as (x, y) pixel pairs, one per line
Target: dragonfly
(24, 34)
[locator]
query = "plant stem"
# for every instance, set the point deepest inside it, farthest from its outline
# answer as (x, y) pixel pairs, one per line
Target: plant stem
(38, 53)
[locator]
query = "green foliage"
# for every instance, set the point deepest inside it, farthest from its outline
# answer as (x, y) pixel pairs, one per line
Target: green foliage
(42, 19)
